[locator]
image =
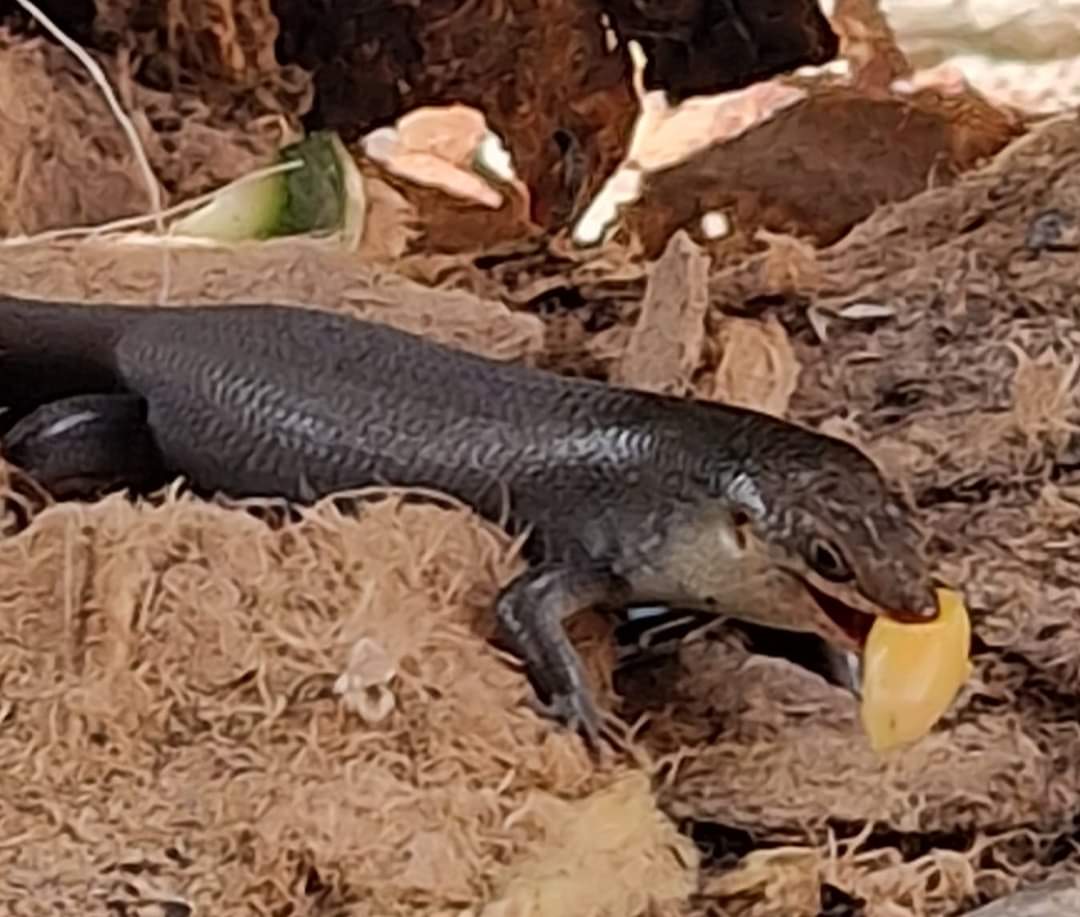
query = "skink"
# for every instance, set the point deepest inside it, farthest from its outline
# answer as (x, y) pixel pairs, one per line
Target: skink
(628, 498)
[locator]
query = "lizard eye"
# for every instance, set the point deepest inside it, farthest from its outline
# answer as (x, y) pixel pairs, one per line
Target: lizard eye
(828, 561)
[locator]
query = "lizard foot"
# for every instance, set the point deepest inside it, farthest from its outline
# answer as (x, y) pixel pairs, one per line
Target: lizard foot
(529, 613)
(575, 710)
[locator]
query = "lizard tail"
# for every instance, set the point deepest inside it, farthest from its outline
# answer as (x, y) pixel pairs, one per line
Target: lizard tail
(51, 350)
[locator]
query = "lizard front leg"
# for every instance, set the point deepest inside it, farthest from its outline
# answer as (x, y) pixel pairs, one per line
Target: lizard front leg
(530, 613)
(81, 445)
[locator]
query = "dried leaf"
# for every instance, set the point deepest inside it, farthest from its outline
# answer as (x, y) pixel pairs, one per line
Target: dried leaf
(665, 345)
(758, 368)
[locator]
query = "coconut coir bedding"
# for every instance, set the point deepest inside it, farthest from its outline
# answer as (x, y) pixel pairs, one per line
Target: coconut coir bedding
(204, 714)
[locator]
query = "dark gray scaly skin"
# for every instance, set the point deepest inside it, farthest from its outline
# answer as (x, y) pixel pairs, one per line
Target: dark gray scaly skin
(630, 498)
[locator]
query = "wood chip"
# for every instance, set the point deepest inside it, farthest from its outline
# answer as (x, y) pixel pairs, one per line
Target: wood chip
(666, 344)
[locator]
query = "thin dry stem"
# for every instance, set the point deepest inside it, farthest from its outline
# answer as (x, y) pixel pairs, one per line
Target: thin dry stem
(126, 125)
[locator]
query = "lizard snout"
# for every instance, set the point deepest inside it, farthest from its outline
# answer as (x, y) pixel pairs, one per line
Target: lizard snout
(922, 607)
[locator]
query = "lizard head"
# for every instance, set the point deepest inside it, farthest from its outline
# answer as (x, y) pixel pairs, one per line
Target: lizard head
(806, 536)
(833, 545)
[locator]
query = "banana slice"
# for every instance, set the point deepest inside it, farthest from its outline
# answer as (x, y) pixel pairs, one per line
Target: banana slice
(912, 672)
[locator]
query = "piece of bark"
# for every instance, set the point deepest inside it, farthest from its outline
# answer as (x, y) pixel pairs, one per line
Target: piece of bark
(818, 167)
(446, 224)
(1057, 898)
(666, 343)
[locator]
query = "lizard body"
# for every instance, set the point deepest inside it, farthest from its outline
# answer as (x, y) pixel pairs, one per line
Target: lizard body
(628, 497)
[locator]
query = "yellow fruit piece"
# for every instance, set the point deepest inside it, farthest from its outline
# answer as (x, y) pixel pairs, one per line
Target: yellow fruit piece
(912, 672)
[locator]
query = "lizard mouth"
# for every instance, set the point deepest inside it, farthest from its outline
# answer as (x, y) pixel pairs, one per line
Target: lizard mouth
(855, 624)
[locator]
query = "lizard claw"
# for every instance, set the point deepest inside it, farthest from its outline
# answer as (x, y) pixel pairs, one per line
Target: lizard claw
(529, 614)
(573, 709)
